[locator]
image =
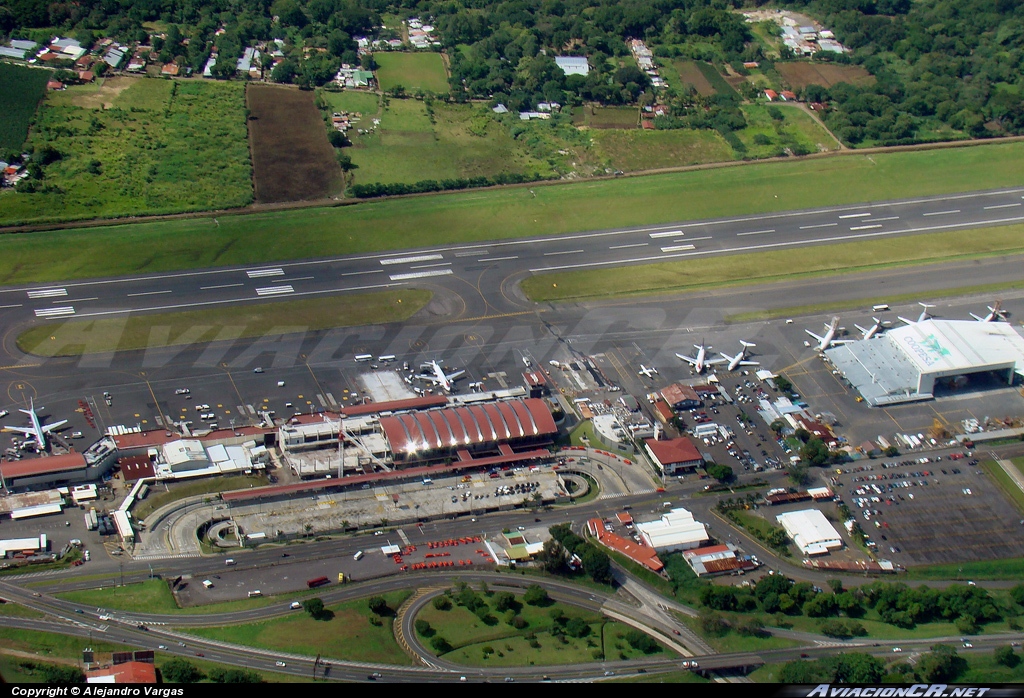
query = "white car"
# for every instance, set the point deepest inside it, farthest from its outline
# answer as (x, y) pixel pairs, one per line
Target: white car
(280, 663)
(897, 649)
(260, 370)
(3, 413)
(182, 391)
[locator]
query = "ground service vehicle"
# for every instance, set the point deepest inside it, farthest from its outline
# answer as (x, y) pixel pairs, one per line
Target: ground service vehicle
(358, 556)
(318, 582)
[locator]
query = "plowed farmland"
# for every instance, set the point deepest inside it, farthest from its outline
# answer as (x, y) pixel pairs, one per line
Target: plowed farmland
(292, 159)
(800, 75)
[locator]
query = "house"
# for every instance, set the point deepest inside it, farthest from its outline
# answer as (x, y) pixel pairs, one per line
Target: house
(54, 85)
(681, 397)
(23, 44)
(572, 65)
(10, 52)
(647, 125)
(676, 530)
(500, 109)
(750, 65)
(788, 96)
(113, 57)
(548, 106)
(126, 672)
(86, 75)
(674, 455)
(169, 69)
(772, 95)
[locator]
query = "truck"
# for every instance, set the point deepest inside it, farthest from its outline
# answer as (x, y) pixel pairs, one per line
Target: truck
(143, 491)
(318, 582)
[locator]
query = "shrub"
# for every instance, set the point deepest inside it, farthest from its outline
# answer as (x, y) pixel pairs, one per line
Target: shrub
(442, 603)
(440, 645)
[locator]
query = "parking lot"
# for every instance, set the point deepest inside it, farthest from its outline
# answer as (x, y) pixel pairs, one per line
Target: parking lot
(933, 512)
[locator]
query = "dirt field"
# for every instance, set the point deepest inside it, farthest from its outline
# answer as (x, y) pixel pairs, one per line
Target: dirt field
(800, 75)
(100, 94)
(605, 117)
(689, 73)
(292, 160)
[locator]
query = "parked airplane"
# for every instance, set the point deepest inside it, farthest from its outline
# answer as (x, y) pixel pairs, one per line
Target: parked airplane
(739, 359)
(37, 431)
(645, 371)
(869, 332)
(830, 333)
(995, 313)
(701, 361)
(437, 376)
(922, 317)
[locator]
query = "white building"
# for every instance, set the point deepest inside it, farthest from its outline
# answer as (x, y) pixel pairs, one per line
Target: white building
(811, 531)
(676, 530)
(572, 65)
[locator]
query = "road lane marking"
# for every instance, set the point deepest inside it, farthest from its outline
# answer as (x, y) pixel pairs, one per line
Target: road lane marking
(635, 244)
(147, 293)
(667, 234)
(677, 248)
(989, 208)
(274, 290)
(865, 227)
(210, 288)
(550, 254)
(48, 293)
(756, 232)
(259, 273)
(819, 225)
(497, 259)
(13, 305)
(941, 213)
(55, 312)
(410, 260)
(421, 274)
(855, 215)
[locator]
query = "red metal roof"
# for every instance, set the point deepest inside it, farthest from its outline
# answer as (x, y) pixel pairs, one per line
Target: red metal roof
(679, 450)
(678, 392)
(43, 466)
(463, 426)
(707, 550)
(535, 379)
(415, 403)
(639, 553)
(128, 672)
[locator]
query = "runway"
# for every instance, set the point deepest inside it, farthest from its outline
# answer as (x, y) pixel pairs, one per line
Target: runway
(476, 271)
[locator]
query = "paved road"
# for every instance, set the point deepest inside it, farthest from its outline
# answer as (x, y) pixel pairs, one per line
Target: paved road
(474, 270)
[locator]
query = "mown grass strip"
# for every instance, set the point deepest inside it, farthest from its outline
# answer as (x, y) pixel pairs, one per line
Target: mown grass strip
(505, 213)
(1005, 569)
(709, 272)
(1005, 483)
(78, 337)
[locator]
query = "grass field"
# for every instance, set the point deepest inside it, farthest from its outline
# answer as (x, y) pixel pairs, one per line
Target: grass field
(366, 103)
(14, 610)
(734, 642)
(765, 266)
(163, 146)
(413, 71)
(1007, 569)
(635, 150)
(470, 216)
(21, 89)
(797, 128)
(605, 117)
(462, 141)
(690, 74)
(715, 79)
(78, 337)
(661, 677)
(181, 490)
(347, 634)
(802, 74)
(152, 595)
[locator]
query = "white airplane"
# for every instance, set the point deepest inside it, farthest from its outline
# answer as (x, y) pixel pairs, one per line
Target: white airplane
(995, 313)
(37, 431)
(922, 317)
(738, 360)
(869, 332)
(830, 335)
(701, 361)
(645, 371)
(437, 376)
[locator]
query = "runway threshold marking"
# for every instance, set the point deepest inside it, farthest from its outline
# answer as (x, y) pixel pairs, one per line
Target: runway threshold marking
(60, 311)
(48, 293)
(677, 248)
(410, 260)
(274, 290)
(259, 273)
(667, 234)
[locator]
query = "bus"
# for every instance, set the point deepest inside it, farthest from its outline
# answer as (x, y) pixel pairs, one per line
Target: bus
(318, 582)
(386, 358)
(362, 358)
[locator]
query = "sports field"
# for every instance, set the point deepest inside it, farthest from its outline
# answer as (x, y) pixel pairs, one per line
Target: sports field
(461, 141)
(413, 71)
(162, 146)
(472, 216)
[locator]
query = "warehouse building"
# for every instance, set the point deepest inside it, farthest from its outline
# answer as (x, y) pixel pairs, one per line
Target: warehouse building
(811, 531)
(915, 362)
(676, 530)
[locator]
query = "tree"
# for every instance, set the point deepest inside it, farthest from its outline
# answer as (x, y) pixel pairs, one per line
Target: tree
(815, 452)
(504, 601)
(577, 627)
(712, 623)
(783, 384)
(597, 564)
(1006, 656)
(59, 674)
(378, 605)
(440, 645)
(942, 664)
(536, 595)
(423, 627)
(442, 603)
(337, 139)
(722, 473)
(180, 670)
(283, 72)
(235, 676)
(314, 607)
(641, 641)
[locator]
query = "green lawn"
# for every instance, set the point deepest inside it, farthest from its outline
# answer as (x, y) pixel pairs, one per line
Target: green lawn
(606, 117)
(461, 141)
(637, 149)
(152, 595)
(796, 129)
(79, 337)
(181, 490)
(413, 71)
(1006, 569)
(21, 89)
(470, 216)
(734, 642)
(366, 103)
(14, 610)
(661, 677)
(765, 266)
(585, 430)
(164, 146)
(348, 634)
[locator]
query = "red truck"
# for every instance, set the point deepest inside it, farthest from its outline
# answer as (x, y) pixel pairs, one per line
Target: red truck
(318, 582)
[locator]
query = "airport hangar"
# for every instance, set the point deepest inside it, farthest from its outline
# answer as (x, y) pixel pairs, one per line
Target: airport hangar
(906, 363)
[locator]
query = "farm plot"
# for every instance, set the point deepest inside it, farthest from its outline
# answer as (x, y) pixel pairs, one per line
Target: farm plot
(460, 142)
(800, 75)
(21, 89)
(292, 159)
(690, 74)
(161, 147)
(765, 136)
(365, 103)
(96, 95)
(413, 71)
(605, 117)
(635, 150)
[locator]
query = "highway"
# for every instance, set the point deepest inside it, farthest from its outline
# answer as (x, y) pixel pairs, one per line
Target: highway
(492, 264)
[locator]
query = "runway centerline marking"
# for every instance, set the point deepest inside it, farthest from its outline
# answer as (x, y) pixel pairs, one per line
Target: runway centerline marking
(357, 273)
(551, 254)
(13, 305)
(147, 293)
(421, 274)
(819, 225)
(427, 266)
(75, 300)
(989, 208)
(855, 215)
(297, 278)
(497, 259)
(941, 213)
(210, 288)
(756, 232)
(865, 227)
(410, 260)
(634, 244)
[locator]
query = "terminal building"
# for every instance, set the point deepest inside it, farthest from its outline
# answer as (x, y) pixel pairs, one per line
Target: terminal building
(912, 363)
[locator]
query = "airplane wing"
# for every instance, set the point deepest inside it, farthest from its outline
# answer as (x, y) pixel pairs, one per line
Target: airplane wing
(909, 322)
(27, 431)
(820, 339)
(50, 427)
(715, 361)
(455, 376)
(977, 317)
(687, 359)
(428, 377)
(750, 363)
